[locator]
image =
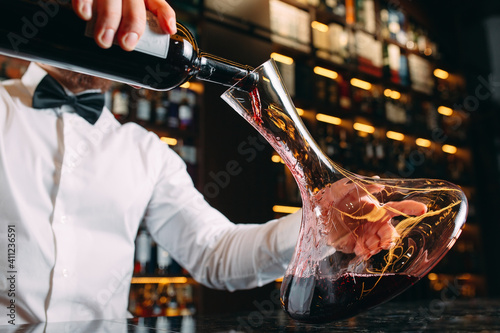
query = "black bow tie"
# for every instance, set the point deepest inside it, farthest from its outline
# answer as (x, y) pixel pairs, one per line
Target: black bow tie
(50, 94)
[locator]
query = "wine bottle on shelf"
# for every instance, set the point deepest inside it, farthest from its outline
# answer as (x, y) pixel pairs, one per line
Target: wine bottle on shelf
(331, 144)
(163, 299)
(345, 149)
(321, 90)
(173, 306)
(336, 7)
(404, 72)
(108, 99)
(156, 307)
(161, 108)
(185, 112)
(189, 299)
(369, 155)
(147, 305)
(379, 164)
(345, 95)
(120, 103)
(3, 70)
(412, 37)
(163, 261)
(142, 252)
(138, 303)
(143, 107)
(61, 39)
(173, 109)
(333, 95)
(422, 40)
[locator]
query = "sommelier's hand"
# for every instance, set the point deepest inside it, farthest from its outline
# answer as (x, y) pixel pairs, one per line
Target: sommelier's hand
(357, 222)
(124, 18)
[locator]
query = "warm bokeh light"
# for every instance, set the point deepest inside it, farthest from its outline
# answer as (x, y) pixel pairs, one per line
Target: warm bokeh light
(319, 26)
(423, 142)
(326, 72)
(395, 94)
(449, 149)
(410, 44)
(300, 111)
(362, 134)
(441, 74)
(285, 209)
(364, 128)
(185, 85)
(159, 280)
(432, 276)
(445, 111)
(282, 58)
(361, 84)
(392, 94)
(395, 136)
(277, 159)
(328, 119)
(169, 141)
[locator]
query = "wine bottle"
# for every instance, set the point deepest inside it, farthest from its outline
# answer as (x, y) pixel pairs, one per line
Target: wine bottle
(143, 107)
(48, 31)
(161, 109)
(120, 105)
(3, 70)
(163, 261)
(142, 252)
(173, 109)
(185, 112)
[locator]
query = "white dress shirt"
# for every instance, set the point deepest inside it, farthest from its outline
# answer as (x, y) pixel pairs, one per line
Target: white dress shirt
(77, 193)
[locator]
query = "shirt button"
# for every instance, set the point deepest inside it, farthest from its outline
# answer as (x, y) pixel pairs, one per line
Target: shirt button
(64, 219)
(65, 273)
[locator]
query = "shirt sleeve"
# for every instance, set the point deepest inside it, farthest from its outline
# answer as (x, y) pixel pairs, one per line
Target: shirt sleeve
(216, 252)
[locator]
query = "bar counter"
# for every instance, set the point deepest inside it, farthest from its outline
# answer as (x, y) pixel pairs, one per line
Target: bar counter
(476, 315)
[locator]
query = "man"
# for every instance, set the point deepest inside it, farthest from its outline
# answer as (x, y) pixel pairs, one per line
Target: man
(73, 191)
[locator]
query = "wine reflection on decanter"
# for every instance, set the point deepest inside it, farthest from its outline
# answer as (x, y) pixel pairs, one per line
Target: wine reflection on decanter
(362, 240)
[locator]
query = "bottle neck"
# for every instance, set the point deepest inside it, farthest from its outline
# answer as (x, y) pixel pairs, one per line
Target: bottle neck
(225, 72)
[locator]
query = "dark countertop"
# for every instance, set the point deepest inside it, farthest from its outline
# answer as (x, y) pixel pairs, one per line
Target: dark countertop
(430, 316)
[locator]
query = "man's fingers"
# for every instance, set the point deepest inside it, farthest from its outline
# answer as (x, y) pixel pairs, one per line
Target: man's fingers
(374, 188)
(83, 8)
(387, 233)
(344, 243)
(109, 13)
(361, 250)
(407, 207)
(132, 24)
(125, 19)
(165, 15)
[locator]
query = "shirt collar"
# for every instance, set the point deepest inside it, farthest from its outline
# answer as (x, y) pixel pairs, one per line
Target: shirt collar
(32, 77)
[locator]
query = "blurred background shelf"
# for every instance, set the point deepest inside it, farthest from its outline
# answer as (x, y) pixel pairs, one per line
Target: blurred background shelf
(413, 74)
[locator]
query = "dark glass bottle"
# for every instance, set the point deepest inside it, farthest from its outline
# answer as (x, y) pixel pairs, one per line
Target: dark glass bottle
(49, 31)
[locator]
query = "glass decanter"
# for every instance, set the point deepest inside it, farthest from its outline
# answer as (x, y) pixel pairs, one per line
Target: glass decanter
(362, 240)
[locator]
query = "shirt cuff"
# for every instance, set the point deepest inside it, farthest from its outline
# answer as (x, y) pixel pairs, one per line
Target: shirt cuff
(288, 234)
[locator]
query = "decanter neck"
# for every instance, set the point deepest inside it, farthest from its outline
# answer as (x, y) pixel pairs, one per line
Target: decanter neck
(285, 131)
(269, 108)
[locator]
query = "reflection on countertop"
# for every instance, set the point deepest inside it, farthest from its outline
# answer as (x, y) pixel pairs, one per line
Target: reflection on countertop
(439, 315)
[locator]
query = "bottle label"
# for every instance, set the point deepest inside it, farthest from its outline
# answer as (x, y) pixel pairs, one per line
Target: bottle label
(153, 41)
